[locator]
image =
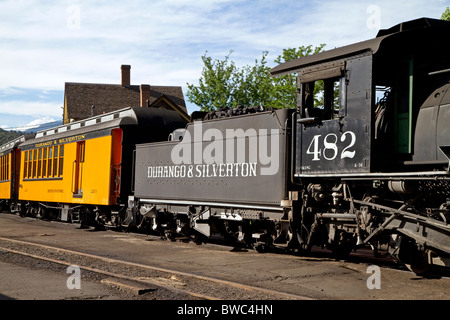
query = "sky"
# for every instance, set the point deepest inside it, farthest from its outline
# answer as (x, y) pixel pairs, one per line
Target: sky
(45, 43)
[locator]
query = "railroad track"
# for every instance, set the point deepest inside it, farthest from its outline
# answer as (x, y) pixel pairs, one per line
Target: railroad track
(138, 278)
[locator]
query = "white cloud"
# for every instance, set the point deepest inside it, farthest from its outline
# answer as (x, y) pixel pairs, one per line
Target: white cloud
(33, 124)
(30, 108)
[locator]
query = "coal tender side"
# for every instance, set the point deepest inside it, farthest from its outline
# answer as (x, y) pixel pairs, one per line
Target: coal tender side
(224, 178)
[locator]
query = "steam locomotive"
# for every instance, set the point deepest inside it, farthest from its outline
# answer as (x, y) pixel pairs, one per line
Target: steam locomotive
(368, 166)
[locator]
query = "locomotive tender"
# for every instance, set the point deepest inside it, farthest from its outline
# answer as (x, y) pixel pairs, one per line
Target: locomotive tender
(367, 166)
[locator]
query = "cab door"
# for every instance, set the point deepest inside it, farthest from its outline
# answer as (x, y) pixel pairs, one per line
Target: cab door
(403, 108)
(333, 131)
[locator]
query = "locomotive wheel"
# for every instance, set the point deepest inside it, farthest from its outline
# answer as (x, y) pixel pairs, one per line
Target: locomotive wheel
(260, 248)
(408, 253)
(294, 240)
(419, 269)
(341, 246)
(341, 251)
(197, 239)
(418, 263)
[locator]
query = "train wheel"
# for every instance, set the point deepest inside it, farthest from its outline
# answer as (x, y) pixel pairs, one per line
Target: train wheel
(198, 239)
(417, 262)
(406, 251)
(32, 211)
(419, 269)
(292, 241)
(342, 245)
(341, 251)
(86, 218)
(259, 247)
(40, 213)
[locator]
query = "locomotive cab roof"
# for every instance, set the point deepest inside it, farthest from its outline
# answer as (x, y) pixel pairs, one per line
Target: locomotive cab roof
(402, 37)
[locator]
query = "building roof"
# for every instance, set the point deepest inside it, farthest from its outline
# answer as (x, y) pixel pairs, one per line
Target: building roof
(83, 100)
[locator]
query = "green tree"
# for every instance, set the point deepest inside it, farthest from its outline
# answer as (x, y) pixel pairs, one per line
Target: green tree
(285, 93)
(446, 14)
(254, 85)
(216, 85)
(222, 84)
(6, 136)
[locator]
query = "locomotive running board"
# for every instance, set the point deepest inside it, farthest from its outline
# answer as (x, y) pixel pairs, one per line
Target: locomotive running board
(211, 204)
(374, 174)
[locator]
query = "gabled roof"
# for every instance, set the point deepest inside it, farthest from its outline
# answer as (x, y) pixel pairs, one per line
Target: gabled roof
(166, 102)
(81, 97)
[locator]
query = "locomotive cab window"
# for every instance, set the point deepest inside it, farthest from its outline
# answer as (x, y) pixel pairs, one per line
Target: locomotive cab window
(324, 99)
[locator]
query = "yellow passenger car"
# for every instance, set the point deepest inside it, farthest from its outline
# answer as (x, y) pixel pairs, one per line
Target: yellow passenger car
(85, 167)
(5, 176)
(76, 168)
(9, 171)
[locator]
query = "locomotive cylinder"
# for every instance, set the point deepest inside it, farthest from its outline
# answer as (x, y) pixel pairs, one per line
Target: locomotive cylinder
(401, 187)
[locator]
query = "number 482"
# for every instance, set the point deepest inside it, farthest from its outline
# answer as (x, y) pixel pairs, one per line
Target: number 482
(330, 149)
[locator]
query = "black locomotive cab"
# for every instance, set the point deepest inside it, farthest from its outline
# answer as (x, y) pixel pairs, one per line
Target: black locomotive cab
(333, 131)
(372, 106)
